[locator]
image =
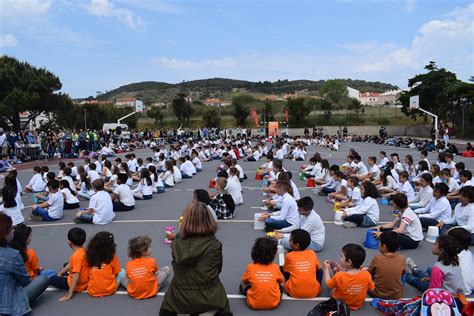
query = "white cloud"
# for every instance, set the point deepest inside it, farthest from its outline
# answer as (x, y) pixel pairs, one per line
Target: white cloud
(8, 40)
(410, 5)
(104, 8)
(16, 11)
(153, 5)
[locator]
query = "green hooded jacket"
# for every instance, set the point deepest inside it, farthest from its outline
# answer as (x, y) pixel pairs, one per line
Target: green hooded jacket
(196, 287)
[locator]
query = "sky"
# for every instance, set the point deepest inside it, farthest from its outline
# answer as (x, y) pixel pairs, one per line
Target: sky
(99, 45)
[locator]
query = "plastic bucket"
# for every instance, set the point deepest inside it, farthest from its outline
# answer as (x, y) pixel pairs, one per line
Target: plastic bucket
(370, 241)
(258, 225)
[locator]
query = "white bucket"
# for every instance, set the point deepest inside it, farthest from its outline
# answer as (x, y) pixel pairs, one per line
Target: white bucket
(338, 218)
(258, 225)
(432, 234)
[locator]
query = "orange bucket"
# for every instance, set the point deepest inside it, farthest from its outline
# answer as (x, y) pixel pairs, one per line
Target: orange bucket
(258, 176)
(310, 183)
(212, 183)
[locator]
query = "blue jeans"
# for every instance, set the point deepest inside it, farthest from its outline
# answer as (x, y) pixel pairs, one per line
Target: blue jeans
(167, 185)
(185, 176)
(361, 220)
(86, 218)
(285, 242)
(276, 223)
(36, 287)
(39, 211)
(327, 190)
(198, 169)
(415, 279)
(427, 222)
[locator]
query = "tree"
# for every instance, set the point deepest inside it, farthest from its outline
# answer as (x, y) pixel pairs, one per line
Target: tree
(211, 117)
(24, 88)
(298, 110)
(268, 110)
(438, 90)
(356, 106)
(241, 110)
(181, 108)
(156, 114)
(335, 92)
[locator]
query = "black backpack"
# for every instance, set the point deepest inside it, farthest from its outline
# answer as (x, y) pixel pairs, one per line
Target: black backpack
(339, 308)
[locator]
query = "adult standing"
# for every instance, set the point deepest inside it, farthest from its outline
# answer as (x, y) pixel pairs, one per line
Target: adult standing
(446, 136)
(197, 263)
(17, 292)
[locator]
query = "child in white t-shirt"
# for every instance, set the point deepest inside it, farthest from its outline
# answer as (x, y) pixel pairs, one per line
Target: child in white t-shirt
(52, 209)
(144, 190)
(70, 200)
(37, 183)
(122, 197)
(100, 209)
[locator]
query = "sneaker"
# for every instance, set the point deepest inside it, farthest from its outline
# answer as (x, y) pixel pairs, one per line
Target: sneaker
(77, 221)
(348, 224)
(35, 218)
(410, 265)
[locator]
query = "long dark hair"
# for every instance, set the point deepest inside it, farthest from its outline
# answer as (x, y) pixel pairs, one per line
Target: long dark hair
(86, 180)
(145, 174)
(202, 196)
(20, 236)
(101, 249)
(448, 247)
(5, 229)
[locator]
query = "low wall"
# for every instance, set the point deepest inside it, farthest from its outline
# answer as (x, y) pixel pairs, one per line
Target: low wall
(400, 130)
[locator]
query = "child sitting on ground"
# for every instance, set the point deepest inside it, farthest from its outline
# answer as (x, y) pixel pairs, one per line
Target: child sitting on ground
(222, 202)
(387, 268)
(288, 214)
(70, 200)
(466, 258)
(301, 267)
(100, 209)
(261, 281)
(74, 277)
(351, 285)
(143, 277)
(20, 241)
(445, 273)
(52, 209)
(44, 196)
(104, 265)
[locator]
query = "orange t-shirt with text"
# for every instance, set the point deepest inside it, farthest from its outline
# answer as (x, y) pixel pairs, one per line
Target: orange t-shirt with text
(143, 281)
(264, 292)
(32, 263)
(102, 280)
(302, 266)
(351, 288)
(78, 264)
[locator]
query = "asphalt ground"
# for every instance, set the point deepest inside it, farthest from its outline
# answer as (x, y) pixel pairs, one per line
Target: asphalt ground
(237, 236)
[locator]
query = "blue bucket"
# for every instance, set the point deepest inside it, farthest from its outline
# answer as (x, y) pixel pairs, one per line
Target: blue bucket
(384, 201)
(370, 241)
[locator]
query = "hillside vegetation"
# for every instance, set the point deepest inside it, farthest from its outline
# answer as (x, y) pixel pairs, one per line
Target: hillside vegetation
(153, 91)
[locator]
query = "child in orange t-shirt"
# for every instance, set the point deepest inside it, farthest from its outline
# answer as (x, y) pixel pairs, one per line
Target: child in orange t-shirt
(142, 274)
(74, 277)
(104, 265)
(351, 285)
(20, 241)
(301, 266)
(261, 281)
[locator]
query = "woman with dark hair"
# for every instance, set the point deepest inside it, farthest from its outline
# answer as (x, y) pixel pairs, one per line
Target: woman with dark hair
(17, 292)
(365, 214)
(201, 195)
(197, 263)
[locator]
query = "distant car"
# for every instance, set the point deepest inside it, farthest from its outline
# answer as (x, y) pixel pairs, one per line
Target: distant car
(113, 126)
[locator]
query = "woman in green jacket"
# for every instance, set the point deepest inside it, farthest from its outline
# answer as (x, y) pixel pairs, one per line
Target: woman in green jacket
(197, 263)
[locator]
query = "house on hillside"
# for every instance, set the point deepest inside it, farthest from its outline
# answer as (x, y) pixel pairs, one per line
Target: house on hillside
(216, 102)
(95, 102)
(125, 102)
(369, 98)
(389, 97)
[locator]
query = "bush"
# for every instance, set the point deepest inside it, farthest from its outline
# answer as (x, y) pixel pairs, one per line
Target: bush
(383, 121)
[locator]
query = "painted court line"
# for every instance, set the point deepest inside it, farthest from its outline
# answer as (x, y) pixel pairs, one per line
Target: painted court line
(238, 296)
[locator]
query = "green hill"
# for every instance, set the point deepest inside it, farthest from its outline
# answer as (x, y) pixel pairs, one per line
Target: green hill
(153, 91)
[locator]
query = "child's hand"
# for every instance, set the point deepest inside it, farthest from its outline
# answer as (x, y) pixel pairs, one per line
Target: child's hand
(66, 297)
(326, 264)
(377, 234)
(277, 236)
(170, 236)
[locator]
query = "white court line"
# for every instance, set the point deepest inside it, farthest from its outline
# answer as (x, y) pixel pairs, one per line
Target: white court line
(238, 296)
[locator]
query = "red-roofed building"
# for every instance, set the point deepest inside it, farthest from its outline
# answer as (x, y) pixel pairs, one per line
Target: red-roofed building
(369, 98)
(125, 102)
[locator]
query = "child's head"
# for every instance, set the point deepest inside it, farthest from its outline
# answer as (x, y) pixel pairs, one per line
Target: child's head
(305, 205)
(399, 201)
(338, 175)
(404, 176)
(426, 179)
(50, 176)
(76, 236)
(440, 189)
(368, 189)
(446, 248)
(352, 256)
(37, 169)
(434, 169)
(462, 236)
(465, 175)
(64, 184)
(423, 154)
(101, 249)
(299, 239)
(466, 195)
(382, 154)
(21, 239)
(372, 160)
(201, 195)
(92, 166)
(53, 185)
(122, 178)
(139, 247)
(264, 250)
(282, 187)
(353, 181)
(98, 184)
(389, 241)
(221, 183)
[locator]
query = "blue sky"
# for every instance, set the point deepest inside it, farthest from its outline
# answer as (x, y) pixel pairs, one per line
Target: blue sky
(98, 45)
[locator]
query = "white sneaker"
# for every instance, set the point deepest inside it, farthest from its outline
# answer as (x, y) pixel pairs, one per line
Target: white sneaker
(410, 265)
(348, 224)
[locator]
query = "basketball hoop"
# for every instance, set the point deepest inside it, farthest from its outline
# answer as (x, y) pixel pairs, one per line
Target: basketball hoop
(415, 102)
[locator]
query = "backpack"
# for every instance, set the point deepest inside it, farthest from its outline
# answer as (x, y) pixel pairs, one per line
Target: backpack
(337, 307)
(438, 302)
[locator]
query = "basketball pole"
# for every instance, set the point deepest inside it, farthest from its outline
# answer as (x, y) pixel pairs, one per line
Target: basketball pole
(436, 122)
